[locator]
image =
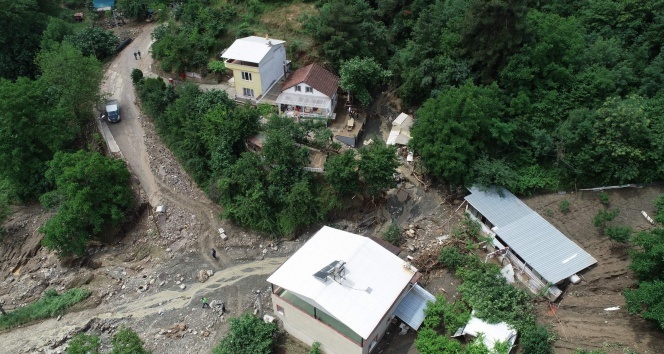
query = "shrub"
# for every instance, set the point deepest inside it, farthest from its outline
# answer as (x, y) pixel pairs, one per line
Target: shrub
(564, 206)
(618, 233)
(603, 198)
(247, 335)
(659, 208)
(136, 76)
(393, 234)
(453, 259)
(315, 348)
(604, 216)
(536, 339)
(126, 341)
(217, 66)
(84, 344)
(48, 306)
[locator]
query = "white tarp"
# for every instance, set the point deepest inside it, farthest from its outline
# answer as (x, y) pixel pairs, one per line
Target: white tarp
(492, 333)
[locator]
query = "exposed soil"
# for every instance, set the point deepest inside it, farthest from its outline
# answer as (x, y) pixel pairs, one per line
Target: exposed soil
(582, 321)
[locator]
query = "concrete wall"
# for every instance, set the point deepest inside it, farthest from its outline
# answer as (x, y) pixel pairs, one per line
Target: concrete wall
(309, 330)
(272, 66)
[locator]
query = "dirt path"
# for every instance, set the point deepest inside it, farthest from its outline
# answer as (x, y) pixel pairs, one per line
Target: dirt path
(44, 332)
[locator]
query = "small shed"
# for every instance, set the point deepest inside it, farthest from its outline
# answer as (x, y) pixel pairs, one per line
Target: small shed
(400, 133)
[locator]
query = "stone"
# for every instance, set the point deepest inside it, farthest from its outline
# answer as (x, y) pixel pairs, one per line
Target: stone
(168, 250)
(268, 319)
(182, 286)
(202, 276)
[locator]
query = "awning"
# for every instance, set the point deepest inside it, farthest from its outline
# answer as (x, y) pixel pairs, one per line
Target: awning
(411, 308)
(304, 100)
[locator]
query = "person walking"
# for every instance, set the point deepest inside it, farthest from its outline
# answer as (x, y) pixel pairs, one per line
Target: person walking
(214, 253)
(139, 55)
(205, 303)
(135, 56)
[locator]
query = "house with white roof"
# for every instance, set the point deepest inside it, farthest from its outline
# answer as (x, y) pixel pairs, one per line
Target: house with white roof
(342, 290)
(541, 255)
(309, 92)
(258, 63)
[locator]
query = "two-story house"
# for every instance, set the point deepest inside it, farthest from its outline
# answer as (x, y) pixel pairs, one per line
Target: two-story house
(258, 63)
(342, 290)
(309, 92)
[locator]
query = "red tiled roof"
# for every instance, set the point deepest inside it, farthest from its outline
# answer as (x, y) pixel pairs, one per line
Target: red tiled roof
(315, 76)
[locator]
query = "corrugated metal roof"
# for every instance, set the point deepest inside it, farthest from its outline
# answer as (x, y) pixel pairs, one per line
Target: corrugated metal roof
(543, 247)
(251, 49)
(411, 308)
(373, 281)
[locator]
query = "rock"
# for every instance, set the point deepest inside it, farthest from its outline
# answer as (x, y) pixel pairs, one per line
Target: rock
(411, 248)
(264, 251)
(205, 333)
(202, 276)
(210, 272)
(152, 280)
(268, 319)
(59, 317)
(168, 250)
(182, 286)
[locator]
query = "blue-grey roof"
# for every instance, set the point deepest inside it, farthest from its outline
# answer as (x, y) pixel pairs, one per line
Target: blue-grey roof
(411, 308)
(549, 252)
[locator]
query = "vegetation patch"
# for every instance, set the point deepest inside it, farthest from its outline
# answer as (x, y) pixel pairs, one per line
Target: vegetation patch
(247, 335)
(50, 305)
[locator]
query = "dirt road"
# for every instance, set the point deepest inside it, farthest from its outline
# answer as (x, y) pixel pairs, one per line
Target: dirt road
(124, 287)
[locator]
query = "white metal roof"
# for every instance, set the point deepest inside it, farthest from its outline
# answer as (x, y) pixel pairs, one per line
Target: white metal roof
(411, 308)
(543, 247)
(368, 266)
(303, 100)
(492, 332)
(252, 49)
(398, 135)
(403, 120)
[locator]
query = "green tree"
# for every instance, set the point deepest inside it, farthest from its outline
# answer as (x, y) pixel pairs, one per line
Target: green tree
(341, 27)
(247, 335)
(360, 76)
(23, 23)
(456, 128)
(134, 9)
(73, 78)
(56, 31)
(84, 344)
(93, 192)
(536, 339)
(648, 301)
(378, 162)
(94, 41)
(126, 341)
(341, 173)
(659, 209)
(490, 33)
(618, 233)
(648, 259)
(136, 76)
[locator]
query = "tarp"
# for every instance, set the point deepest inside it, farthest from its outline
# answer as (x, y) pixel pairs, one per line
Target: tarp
(492, 333)
(102, 4)
(411, 308)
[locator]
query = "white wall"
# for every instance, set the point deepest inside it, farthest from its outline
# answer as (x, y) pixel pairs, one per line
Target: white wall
(272, 66)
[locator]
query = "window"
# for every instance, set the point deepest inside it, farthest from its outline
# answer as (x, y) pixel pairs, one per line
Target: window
(248, 92)
(246, 76)
(298, 88)
(280, 310)
(309, 89)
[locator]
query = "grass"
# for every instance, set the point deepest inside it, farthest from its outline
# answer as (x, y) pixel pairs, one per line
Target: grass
(50, 305)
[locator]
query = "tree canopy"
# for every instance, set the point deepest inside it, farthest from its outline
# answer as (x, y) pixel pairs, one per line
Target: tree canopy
(92, 193)
(247, 335)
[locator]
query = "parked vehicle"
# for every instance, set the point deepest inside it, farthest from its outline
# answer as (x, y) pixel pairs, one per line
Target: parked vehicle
(113, 111)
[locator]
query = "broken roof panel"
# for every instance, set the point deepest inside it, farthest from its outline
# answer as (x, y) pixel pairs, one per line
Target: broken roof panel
(543, 247)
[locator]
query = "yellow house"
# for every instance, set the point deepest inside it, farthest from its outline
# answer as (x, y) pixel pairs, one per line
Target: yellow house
(257, 64)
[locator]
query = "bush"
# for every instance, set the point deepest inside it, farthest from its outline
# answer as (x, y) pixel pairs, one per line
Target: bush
(315, 348)
(564, 206)
(603, 198)
(659, 209)
(536, 339)
(50, 305)
(604, 216)
(453, 259)
(126, 341)
(393, 234)
(136, 76)
(618, 233)
(84, 344)
(247, 335)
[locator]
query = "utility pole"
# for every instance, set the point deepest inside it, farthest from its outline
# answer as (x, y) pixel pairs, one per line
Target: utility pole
(115, 18)
(260, 303)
